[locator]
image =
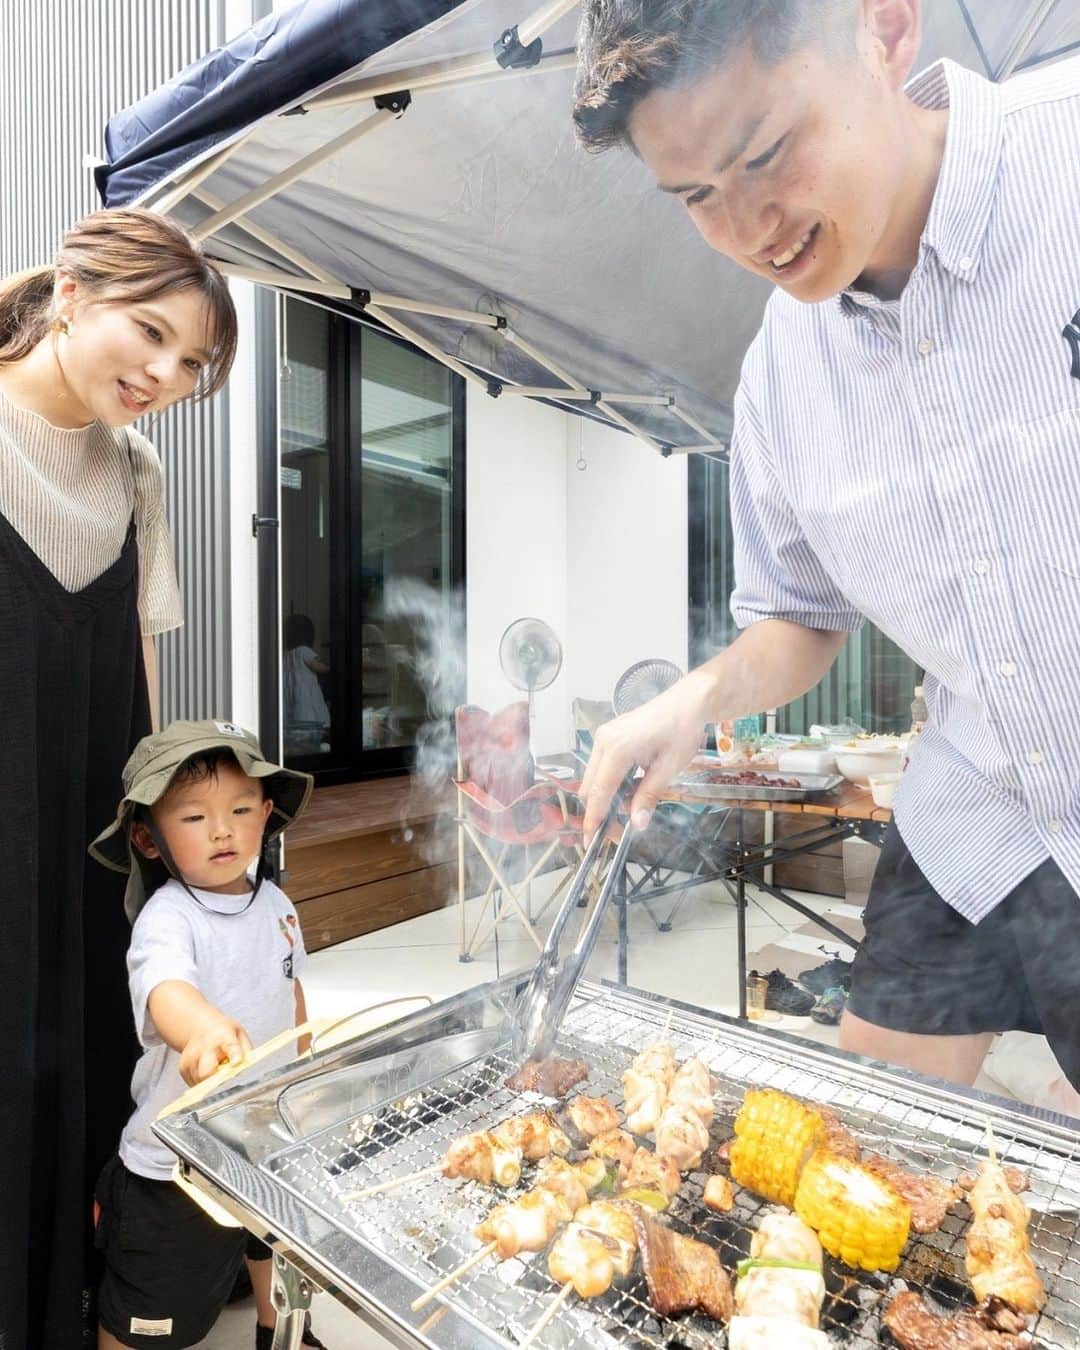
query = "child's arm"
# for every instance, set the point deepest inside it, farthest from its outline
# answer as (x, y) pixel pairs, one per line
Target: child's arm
(303, 1045)
(203, 1036)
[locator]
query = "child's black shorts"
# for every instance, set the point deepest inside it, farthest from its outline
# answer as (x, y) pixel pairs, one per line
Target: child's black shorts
(169, 1269)
(923, 967)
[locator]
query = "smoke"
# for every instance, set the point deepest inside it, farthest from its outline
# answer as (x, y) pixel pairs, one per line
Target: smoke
(436, 620)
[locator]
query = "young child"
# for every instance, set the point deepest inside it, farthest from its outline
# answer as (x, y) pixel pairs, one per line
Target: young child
(214, 969)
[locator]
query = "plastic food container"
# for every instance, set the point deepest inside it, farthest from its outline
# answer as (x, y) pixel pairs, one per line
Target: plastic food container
(883, 788)
(807, 760)
(872, 756)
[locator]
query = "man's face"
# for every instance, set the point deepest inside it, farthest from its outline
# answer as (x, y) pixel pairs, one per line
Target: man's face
(793, 170)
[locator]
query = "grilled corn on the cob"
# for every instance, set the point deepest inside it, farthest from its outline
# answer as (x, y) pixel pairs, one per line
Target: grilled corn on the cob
(858, 1216)
(774, 1136)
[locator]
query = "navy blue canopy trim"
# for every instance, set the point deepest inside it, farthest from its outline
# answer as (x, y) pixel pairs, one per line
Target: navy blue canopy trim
(276, 62)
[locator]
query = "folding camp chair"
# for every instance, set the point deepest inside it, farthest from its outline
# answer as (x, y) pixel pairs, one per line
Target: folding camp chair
(516, 819)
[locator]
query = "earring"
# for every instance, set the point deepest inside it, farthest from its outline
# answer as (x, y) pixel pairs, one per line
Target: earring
(61, 325)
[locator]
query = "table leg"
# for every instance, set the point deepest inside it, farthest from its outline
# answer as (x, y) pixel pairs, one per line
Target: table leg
(740, 912)
(624, 935)
(291, 1295)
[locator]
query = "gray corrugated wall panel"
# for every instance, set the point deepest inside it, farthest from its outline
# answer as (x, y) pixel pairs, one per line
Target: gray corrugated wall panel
(66, 65)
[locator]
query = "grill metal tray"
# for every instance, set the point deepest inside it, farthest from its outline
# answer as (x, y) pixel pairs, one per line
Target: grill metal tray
(283, 1152)
(810, 785)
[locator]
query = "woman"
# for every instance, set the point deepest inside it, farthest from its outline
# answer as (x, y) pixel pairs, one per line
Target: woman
(130, 319)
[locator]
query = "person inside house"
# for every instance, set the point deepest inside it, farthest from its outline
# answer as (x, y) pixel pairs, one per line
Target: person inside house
(214, 967)
(306, 711)
(906, 448)
(129, 319)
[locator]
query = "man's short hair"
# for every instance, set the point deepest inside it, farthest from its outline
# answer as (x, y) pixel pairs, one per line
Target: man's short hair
(628, 48)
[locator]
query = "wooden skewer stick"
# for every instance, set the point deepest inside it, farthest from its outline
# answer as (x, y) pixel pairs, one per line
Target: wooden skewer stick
(990, 1148)
(436, 1289)
(350, 1196)
(556, 1303)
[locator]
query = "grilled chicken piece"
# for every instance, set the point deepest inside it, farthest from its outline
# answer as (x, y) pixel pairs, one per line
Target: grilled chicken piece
(682, 1137)
(548, 1077)
(572, 1181)
(692, 1087)
(682, 1274)
(717, 1194)
(839, 1139)
(1016, 1180)
(770, 1333)
(723, 1151)
(645, 1086)
(616, 1145)
(614, 1220)
(915, 1327)
(584, 1259)
(782, 1236)
(536, 1135)
(998, 1253)
(657, 1061)
(928, 1196)
(648, 1171)
(791, 1296)
(526, 1224)
(483, 1158)
(591, 1116)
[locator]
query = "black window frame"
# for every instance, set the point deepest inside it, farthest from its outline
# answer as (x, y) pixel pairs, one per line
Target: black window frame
(345, 423)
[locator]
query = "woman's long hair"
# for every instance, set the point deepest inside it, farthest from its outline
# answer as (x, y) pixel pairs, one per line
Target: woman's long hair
(120, 257)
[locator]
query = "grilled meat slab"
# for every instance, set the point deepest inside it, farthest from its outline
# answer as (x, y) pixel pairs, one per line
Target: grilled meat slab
(682, 1274)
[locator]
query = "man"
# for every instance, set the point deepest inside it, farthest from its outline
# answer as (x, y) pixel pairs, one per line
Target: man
(906, 448)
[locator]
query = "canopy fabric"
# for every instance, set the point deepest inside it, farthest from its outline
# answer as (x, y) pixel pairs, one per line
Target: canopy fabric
(476, 198)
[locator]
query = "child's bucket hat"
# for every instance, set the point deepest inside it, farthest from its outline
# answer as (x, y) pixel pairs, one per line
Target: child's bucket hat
(150, 770)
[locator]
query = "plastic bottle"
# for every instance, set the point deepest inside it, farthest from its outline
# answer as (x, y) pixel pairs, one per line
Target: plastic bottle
(918, 711)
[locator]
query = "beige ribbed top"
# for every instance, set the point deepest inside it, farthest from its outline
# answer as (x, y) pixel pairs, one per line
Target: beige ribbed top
(70, 494)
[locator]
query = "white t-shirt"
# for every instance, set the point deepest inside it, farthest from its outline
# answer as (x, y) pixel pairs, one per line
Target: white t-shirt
(304, 700)
(243, 961)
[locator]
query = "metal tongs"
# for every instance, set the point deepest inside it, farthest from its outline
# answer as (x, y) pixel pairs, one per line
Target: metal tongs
(547, 996)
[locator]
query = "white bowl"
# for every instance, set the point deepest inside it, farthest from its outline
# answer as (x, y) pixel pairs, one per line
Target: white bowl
(883, 788)
(858, 765)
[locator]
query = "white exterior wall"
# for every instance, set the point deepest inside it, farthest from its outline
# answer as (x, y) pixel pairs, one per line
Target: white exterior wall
(600, 554)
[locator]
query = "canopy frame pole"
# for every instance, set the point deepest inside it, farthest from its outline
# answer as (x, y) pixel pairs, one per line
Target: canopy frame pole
(479, 68)
(1023, 41)
(540, 20)
(165, 203)
(587, 395)
(281, 180)
(694, 424)
(627, 425)
(418, 340)
(437, 311)
(271, 240)
(285, 280)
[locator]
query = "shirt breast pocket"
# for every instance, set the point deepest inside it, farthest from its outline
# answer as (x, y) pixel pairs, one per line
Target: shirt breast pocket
(1048, 490)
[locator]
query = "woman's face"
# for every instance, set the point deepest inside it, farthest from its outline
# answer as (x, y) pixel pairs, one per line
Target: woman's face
(122, 359)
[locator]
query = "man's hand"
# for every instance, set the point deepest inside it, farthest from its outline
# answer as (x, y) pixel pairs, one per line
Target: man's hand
(661, 737)
(216, 1040)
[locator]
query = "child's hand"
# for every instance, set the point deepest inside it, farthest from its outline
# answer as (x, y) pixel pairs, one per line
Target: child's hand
(216, 1040)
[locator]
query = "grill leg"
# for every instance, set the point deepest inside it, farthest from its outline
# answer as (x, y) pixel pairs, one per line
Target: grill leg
(291, 1295)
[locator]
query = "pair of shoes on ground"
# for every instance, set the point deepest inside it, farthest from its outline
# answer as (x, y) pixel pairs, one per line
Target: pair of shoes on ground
(826, 976)
(784, 995)
(264, 1336)
(830, 1006)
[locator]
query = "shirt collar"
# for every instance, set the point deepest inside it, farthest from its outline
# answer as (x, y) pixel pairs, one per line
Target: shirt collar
(966, 186)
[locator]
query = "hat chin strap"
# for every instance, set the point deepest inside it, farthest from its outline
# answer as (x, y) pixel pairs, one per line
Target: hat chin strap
(261, 870)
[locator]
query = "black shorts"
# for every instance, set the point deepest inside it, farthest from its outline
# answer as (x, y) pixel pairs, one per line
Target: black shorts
(169, 1268)
(923, 967)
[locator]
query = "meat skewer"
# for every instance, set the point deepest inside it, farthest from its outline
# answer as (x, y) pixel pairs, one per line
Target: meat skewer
(489, 1157)
(780, 1290)
(549, 1077)
(549, 1312)
(998, 1249)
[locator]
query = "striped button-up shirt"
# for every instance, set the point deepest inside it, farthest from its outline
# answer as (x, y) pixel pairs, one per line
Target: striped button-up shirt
(917, 462)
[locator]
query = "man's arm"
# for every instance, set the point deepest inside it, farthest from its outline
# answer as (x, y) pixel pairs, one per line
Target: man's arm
(768, 664)
(202, 1035)
(150, 664)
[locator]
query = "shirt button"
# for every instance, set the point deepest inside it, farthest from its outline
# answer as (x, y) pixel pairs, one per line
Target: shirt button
(1006, 668)
(1054, 826)
(965, 264)
(1034, 756)
(982, 566)
(926, 345)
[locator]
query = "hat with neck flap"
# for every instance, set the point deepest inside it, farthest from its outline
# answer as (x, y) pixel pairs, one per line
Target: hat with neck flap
(148, 774)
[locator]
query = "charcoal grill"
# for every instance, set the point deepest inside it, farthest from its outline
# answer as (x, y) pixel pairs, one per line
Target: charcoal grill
(283, 1154)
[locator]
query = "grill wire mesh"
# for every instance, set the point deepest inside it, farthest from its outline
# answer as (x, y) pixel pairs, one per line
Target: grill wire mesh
(425, 1228)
